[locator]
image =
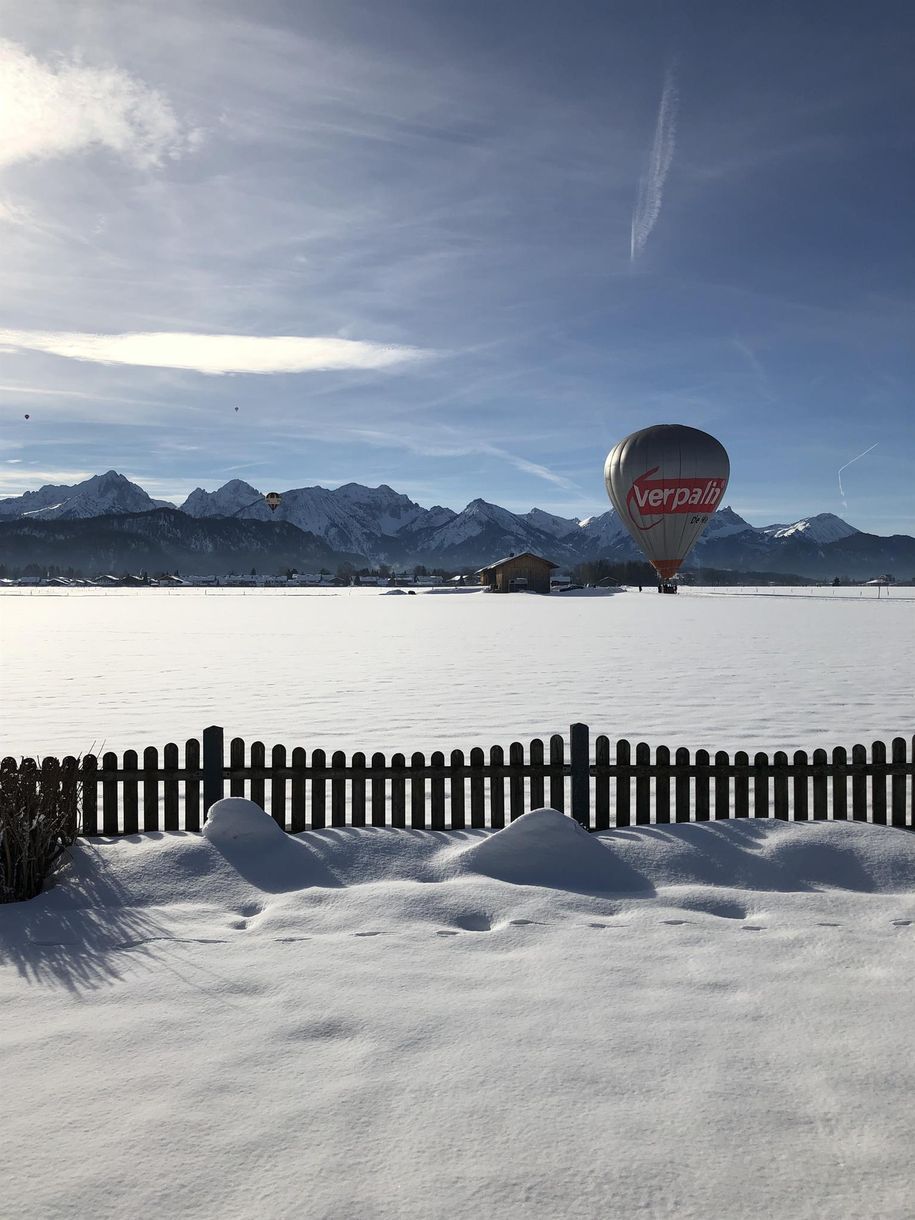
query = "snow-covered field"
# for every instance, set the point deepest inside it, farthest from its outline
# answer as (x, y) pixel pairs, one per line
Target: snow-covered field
(359, 670)
(690, 1021)
(693, 1021)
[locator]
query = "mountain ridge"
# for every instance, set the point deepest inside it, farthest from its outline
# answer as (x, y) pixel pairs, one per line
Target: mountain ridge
(356, 523)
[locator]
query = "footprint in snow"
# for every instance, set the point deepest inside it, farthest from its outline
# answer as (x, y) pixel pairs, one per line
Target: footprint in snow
(902, 923)
(446, 932)
(368, 934)
(752, 927)
(675, 923)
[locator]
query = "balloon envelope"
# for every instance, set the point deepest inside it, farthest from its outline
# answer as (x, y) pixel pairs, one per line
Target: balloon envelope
(273, 500)
(665, 482)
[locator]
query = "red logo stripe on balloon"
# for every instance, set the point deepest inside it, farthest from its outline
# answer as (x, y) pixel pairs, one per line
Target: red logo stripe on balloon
(649, 497)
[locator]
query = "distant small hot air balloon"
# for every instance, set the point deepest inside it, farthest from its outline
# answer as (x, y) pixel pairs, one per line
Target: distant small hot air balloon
(273, 500)
(28, 417)
(236, 410)
(665, 482)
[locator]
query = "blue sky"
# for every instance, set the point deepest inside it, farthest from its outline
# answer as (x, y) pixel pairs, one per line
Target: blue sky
(469, 246)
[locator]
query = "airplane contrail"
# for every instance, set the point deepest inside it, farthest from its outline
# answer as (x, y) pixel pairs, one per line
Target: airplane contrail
(651, 185)
(847, 464)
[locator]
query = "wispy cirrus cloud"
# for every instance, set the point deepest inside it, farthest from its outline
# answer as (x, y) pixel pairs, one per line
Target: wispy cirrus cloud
(215, 354)
(52, 109)
(651, 184)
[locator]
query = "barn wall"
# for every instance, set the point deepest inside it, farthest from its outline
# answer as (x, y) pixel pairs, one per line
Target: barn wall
(535, 571)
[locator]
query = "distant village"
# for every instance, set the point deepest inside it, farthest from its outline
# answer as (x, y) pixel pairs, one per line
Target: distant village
(524, 571)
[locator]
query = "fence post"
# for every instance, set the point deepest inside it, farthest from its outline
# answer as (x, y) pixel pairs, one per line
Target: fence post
(580, 771)
(213, 764)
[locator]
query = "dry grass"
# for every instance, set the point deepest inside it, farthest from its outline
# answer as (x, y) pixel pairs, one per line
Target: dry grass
(39, 819)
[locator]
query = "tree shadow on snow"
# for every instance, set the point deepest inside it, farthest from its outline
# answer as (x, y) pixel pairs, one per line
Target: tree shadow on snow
(74, 933)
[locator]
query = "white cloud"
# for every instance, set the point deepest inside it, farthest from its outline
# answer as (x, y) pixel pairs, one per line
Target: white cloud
(12, 213)
(16, 482)
(215, 353)
(49, 110)
(651, 185)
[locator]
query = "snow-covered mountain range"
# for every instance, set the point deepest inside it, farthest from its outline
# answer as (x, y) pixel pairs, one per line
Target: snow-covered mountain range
(382, 525)
(95, 497)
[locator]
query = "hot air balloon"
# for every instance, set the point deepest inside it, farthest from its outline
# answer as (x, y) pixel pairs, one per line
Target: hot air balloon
(273, 500)
(27, 417)
(665, 482)
(236, 410)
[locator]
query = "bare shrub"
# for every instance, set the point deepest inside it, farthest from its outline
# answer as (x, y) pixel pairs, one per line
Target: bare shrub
(39, 819)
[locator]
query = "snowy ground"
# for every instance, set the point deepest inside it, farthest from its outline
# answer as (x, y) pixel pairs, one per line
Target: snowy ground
(692, 1021)
(357, 670)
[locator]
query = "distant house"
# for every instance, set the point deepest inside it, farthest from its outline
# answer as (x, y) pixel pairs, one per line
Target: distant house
(525, 572)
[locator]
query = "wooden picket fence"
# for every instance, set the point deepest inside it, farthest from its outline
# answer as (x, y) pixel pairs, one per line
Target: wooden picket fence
(617, 786)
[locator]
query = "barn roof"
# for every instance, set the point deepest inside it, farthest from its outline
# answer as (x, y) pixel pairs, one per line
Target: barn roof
(498, 563)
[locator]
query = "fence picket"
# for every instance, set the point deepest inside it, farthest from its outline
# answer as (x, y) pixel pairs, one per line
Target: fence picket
(236, 763)
(191, 785)
(858, 784)
(357, 788)
(90, 795)
(379, 793)
(820, 793)
(799, 784)
(278, 786)
(601, 783)
(398, 791)
(722, 785)
(318, 789)
(557, 778)
(662, 785)
(338, 790)
(298, 814)
(259, 782)
(878, 784)
(457, 790)
(477, 788)
(150, 789)
(497, 787)
(760, 785)
(537, 786)
(681, 787)
(109, 795)
(131, 764)
(623, 784)
(515, 780)
(839, 784)
(170, 786)
(702, 786)
(742, 785)
(437, 786)
(417, 792)
(897, 784)
(780, 784)
(642, 784)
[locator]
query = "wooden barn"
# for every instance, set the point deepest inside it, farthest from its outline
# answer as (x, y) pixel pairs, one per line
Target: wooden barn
(525, 572)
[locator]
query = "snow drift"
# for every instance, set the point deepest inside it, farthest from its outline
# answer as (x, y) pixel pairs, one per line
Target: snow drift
(580, 1025)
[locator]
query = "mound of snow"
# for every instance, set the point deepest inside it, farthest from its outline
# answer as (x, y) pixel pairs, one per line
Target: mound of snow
(548, 849)
(235, 818)
(261, 851)
(769, 855)
(394, 593)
